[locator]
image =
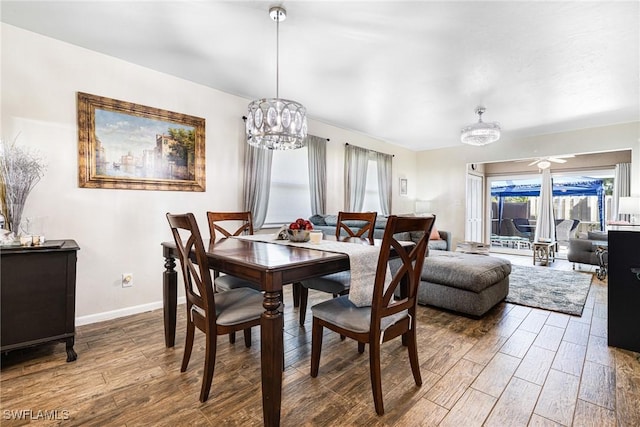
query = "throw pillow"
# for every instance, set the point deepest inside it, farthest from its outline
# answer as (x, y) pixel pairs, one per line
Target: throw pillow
(317, 220)
(434, 234)
(331, 219)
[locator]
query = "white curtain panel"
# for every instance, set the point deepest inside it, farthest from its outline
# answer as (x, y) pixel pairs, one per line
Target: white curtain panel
(384, 162)
(621, 188)
(545, 224)
(257, 182)
(356, 161)
(317, 156)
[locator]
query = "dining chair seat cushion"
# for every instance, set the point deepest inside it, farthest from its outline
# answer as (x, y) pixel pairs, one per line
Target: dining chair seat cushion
(226, 282)
(343, 313)
(238, 306)
(335, 283)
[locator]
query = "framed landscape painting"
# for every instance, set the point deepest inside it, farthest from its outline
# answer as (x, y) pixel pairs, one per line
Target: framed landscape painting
(130, 146)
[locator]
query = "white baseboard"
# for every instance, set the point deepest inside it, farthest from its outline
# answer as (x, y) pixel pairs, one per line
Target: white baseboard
(128, 311)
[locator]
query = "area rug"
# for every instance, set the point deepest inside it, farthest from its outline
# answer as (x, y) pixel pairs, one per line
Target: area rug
(549, 289)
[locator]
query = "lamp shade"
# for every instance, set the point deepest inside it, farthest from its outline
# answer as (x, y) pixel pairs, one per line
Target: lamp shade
(629, 205)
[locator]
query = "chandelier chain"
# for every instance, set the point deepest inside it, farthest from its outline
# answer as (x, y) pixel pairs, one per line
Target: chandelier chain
(278, 55)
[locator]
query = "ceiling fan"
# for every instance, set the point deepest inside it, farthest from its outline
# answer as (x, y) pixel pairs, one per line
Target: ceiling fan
(545, 162)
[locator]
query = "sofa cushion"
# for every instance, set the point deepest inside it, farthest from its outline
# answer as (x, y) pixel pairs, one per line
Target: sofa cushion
(440, 245)
(464, 271)
(355, 224)
(381, 222)
(331, 220)
(597, 235)
(317, 219)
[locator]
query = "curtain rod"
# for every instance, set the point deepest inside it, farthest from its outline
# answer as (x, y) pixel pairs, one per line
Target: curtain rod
(372, 151)
(244, 118)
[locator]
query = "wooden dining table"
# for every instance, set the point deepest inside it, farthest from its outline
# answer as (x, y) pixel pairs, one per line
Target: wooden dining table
(271, 266)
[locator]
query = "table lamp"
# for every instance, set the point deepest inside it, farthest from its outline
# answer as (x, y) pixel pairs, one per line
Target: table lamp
(629, 206)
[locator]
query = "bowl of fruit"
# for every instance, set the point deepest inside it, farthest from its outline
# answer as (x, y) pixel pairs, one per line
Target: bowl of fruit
(299, 230)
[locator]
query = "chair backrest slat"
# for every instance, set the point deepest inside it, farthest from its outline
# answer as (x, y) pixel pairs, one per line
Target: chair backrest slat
(410, 270)
(366, 222)
(197, 280)
(215, 218)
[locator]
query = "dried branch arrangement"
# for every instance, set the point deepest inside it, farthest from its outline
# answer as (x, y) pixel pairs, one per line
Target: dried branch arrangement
(20, 171)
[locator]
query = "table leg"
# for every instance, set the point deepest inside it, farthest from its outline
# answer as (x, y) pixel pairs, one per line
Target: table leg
(272, 350)
(169, 300)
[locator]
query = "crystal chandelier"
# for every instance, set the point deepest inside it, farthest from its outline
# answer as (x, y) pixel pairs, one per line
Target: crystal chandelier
(275, 123)
(480, 133)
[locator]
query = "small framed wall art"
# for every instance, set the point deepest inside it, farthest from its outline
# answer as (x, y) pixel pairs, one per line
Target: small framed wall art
(403, 186)
(129, 146)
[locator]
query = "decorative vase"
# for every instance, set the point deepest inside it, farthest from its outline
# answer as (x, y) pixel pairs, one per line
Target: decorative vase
(14, 219)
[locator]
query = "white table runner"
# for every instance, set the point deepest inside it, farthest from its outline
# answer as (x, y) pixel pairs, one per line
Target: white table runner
(363, 261)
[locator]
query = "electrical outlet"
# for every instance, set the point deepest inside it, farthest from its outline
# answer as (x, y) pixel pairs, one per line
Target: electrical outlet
(127, 280)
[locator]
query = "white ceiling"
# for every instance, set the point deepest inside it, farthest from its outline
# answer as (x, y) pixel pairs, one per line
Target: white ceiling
(407, 72)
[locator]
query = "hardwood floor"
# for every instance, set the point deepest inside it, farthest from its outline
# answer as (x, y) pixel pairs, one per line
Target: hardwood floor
(517, 366)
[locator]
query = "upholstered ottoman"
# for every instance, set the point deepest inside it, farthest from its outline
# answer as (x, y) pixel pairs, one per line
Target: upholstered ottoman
(465, 283)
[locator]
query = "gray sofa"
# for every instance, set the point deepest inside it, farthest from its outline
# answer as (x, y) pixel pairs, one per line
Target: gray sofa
(327, 224)
(582, 250)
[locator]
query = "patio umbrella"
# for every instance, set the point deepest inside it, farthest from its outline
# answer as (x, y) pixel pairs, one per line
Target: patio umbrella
(545, 225)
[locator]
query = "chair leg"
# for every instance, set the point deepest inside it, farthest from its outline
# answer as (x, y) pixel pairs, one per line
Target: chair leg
(296, 293)
(247, 337)
(376, 377)
(304, 296)
(209, 365)
(232, 338)
(188, 346)
(316, 347)
(360, 347)
(413, 356)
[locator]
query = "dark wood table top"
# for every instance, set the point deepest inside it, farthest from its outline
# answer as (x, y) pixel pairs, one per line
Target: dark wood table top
(251, 259)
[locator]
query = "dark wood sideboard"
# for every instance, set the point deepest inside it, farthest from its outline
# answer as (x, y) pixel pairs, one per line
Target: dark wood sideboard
(38, 295)
(624, 290)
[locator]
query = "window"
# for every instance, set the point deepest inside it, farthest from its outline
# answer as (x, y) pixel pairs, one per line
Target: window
(289, 197)
(371, 197)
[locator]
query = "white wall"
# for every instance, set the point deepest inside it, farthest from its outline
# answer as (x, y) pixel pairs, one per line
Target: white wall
(120, 230)
(441, 173)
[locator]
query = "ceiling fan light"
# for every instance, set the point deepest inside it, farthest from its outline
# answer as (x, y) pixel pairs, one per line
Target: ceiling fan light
(481, 133)
(544, 164)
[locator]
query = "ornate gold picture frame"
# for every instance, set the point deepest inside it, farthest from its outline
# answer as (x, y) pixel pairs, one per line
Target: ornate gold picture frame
(129, 146)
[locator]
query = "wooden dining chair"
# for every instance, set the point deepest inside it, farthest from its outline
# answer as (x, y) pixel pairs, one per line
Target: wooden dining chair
(338, 283)
(224, 224)
(387, 317)
(214, 313)
(229, 224)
